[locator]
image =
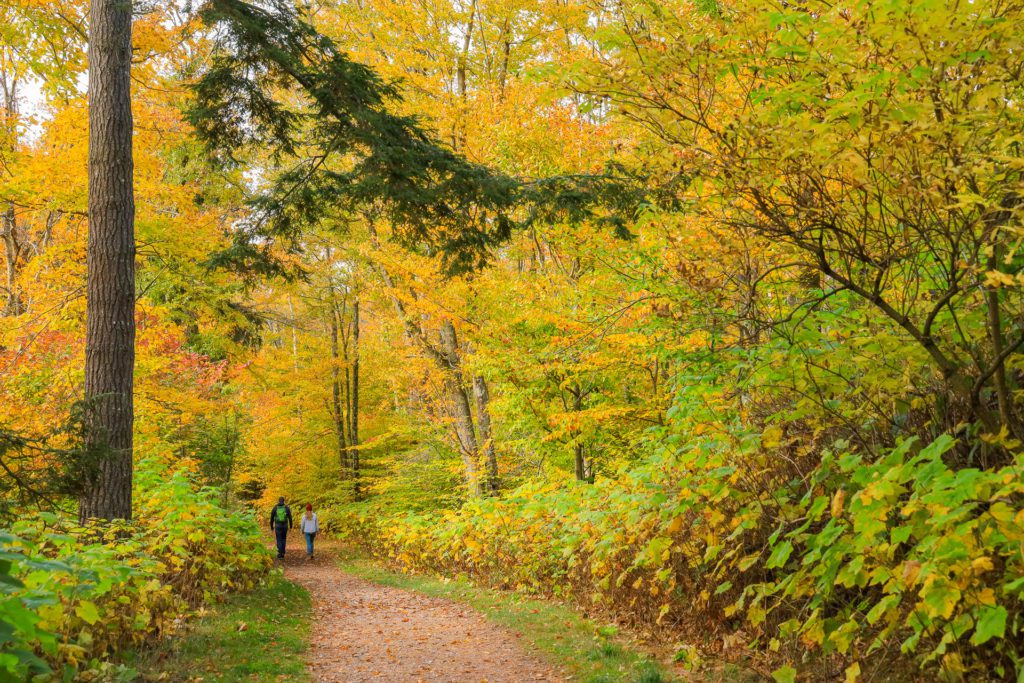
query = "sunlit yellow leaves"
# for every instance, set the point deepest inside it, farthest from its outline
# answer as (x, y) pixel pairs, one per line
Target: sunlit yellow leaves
(771, 437)
(997, 278)
(838, 498)
(88, 612)
(982, 564)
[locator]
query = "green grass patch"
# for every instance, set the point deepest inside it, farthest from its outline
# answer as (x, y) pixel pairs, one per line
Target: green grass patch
(258, 636)
(592, 654)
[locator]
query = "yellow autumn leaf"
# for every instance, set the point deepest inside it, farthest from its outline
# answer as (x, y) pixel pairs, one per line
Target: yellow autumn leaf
(982, 564)
(837, 503)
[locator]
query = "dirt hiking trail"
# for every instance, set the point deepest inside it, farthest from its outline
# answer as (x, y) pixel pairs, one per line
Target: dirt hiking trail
(362, 631)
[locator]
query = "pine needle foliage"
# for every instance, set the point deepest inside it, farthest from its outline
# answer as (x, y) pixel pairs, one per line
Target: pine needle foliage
(277, 86)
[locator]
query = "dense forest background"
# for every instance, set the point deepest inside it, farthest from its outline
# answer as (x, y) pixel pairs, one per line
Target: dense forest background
(704, 314)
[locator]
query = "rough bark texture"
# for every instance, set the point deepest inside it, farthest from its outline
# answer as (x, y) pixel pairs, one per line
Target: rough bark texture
(483, 421)
(110, 333)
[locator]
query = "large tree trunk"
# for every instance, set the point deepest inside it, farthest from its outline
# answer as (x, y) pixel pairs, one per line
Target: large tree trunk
(483, 421)
(353, 410)
(110, 308)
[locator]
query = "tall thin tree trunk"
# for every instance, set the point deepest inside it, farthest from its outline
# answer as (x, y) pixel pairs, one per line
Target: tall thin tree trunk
(353, 410)
(467, 41)
(460, 77)
(110, 286)
(232, 447)
(506, 48)
(295, 338)
(446, 357)
(12, 252)
(579, 454)
(483, 421)
(462, 413)
(8, 220)
(337, 406)
(581, 463)
(995, 331)
(52, 218)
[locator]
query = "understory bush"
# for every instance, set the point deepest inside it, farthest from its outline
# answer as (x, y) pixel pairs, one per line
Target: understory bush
(71, 597)
(837, 568)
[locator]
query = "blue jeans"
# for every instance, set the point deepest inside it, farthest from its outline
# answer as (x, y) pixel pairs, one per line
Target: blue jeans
(309, 542)
(281, 531)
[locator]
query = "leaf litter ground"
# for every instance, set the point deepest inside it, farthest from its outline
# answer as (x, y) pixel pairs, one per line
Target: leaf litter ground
(365, 632)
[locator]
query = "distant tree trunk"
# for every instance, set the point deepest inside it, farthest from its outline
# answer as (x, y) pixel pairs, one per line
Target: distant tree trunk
(581, 463)
(231, 448)
(353, 411)
(461, 412)
(295, 337)
(52, 218)
(506, 47)
(447, 359)
(110, 286)
(12, 252)
(584, 469)
(337, 405)
(459, 136)
(8, 220)
(1007, 415)
(483, 421)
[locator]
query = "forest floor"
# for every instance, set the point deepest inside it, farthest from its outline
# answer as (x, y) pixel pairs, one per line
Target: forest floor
(365, 631)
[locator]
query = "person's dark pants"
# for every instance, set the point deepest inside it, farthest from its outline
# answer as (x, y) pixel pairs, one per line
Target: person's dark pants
(281, 531)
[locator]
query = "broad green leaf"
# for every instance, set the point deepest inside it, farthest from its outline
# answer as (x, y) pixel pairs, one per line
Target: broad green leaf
(779, 555)
(784, 674)
(991, 624)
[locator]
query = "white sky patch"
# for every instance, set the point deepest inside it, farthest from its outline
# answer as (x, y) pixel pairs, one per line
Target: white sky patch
(33, 109)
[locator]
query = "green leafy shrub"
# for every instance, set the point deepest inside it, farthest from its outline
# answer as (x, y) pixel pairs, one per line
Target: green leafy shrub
(71, 597)
(908, 551)
(204, 549)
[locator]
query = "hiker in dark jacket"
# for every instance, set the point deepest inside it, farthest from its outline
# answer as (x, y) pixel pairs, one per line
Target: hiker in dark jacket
(281, 522)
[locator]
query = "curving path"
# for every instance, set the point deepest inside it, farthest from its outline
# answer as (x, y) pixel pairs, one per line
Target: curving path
(363, 631)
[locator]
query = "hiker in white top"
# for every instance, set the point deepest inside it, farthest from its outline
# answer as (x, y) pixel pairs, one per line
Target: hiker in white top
(309, 525)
